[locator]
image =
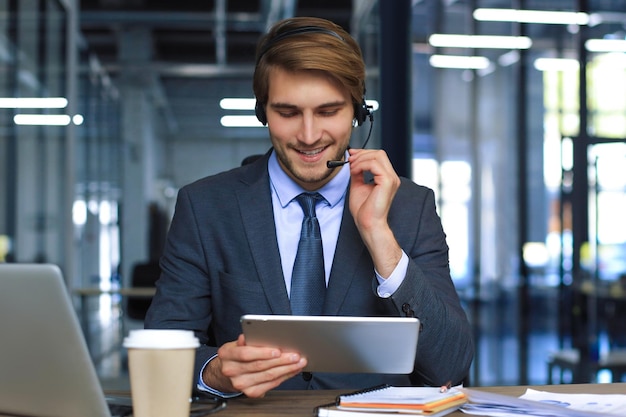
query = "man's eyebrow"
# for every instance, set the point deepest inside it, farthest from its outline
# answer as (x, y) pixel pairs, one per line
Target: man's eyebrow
(339, 103)
(287, 106)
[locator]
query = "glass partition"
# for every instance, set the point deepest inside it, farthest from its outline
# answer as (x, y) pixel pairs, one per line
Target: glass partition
(8, 75)
(33, 61)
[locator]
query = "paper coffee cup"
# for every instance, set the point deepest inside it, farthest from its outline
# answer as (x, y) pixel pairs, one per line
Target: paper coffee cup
(160, 363)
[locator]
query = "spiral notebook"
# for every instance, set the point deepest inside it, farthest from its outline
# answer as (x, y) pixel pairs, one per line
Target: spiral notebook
(391, 400)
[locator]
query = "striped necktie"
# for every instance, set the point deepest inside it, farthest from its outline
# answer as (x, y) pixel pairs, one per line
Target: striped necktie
(308, 283)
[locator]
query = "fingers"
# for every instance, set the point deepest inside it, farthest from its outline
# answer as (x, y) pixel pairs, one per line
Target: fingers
(375, 161)
(370, 202)
(256, 370)
(256, 384)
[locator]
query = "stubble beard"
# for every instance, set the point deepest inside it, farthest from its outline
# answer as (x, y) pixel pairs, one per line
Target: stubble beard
(313, 175)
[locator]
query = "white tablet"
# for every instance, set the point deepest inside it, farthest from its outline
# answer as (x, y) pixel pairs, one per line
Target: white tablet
(384, 345)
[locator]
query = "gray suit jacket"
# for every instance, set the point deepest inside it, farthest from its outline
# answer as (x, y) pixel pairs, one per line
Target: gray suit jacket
(221, 261)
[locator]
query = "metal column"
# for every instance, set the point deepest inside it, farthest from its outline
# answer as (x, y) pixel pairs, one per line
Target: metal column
(395, 83)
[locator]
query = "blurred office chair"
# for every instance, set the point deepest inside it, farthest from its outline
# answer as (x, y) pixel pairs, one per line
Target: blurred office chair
(614, 313)
(612, 310)
(144, 275)
(569, 360)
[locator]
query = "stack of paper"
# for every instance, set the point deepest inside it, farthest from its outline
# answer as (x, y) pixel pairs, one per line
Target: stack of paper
(544, 404)
(388, 400)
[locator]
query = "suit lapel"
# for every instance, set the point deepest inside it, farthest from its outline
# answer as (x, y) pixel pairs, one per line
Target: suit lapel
(255, 204)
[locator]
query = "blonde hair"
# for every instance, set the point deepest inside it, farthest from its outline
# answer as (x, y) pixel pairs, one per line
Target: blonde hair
(309, 43)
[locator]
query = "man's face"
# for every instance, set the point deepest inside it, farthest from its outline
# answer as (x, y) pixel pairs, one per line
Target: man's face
(309, 116)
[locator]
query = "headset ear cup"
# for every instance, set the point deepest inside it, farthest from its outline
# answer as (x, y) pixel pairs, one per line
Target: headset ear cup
(361, 112)
(259, 111)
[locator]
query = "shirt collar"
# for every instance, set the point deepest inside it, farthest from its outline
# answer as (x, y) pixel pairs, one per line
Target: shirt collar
(286, 189)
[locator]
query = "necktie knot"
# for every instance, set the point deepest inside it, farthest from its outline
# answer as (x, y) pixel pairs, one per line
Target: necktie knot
(308, 201)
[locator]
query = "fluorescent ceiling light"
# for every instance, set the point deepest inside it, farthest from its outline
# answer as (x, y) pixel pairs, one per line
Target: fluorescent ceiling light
(42, 119)
(33, 102)
(614, 60)
(240, 121)
(531, 16)
(238, 103)
(479, 41)
(606, 45)
(459, 62)
(556, 64)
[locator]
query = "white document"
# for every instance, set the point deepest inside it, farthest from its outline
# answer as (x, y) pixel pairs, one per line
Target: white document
(544, 404)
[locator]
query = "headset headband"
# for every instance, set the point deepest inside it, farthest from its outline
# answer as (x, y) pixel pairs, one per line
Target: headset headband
(293, 32)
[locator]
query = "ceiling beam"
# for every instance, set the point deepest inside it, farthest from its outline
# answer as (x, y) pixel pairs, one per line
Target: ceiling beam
(169, 19)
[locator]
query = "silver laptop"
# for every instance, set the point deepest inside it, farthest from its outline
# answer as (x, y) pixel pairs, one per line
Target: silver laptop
(45, 367)
(340, 344)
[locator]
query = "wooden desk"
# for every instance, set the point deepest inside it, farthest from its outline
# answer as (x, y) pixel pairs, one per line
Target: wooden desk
(303, 403)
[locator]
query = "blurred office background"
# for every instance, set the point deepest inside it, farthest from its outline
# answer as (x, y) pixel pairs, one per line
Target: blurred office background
(522, 137)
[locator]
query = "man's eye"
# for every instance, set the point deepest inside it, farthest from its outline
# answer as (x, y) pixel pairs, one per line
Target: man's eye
(328, 113)
(287, 114)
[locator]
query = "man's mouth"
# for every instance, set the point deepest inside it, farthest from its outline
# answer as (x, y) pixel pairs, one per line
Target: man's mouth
(311, 152)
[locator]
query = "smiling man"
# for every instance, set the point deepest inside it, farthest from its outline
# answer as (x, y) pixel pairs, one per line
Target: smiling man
(236, 247)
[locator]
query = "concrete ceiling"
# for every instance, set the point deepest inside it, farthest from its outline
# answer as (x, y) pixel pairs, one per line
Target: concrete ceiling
(194, 50)
(198, 51)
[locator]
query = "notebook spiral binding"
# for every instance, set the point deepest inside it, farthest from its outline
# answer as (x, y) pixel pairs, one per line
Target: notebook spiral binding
(361, 391)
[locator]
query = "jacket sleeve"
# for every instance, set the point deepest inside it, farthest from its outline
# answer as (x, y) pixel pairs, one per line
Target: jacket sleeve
(445, 345)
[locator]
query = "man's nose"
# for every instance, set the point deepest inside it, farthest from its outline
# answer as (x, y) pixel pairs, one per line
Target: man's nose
(309, 129)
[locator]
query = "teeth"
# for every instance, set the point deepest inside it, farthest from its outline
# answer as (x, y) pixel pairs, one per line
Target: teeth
(313, 152)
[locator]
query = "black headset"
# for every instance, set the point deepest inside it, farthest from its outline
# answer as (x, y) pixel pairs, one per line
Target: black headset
(361, 110)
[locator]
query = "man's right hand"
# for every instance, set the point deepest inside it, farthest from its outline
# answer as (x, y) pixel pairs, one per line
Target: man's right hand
(249, 369)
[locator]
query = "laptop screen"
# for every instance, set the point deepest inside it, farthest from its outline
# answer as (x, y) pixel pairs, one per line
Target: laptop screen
(45, 366)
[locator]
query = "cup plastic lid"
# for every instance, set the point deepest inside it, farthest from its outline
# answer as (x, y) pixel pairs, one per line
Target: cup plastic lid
(161, 339)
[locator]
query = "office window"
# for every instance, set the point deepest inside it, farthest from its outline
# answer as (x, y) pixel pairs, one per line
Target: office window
(451, 181)
(607, 95)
